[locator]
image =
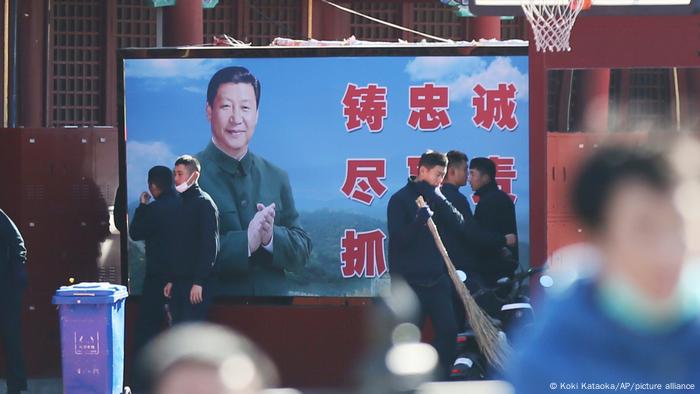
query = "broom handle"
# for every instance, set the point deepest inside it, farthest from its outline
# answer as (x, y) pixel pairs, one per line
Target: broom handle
(486, 334)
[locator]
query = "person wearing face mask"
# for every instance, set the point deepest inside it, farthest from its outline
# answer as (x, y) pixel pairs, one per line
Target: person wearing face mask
(414, 256)
(156, 223)
(635, 320)
(261, 237)
(190, 284)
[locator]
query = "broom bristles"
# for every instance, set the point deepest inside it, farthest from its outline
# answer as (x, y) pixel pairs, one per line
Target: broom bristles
(486, 333)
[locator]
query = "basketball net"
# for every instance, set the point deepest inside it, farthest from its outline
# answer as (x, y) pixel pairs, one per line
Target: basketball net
(552, 21)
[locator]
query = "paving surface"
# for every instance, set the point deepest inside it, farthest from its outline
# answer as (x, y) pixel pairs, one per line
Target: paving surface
(38, 386)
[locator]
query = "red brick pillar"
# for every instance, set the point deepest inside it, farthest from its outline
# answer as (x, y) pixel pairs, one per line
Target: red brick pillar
(487, 27)
(595, 99)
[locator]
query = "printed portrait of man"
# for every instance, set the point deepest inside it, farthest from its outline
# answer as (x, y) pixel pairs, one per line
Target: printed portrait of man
(261, 238)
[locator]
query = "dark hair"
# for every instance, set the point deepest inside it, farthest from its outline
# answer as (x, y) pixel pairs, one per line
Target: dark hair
(431, 158)
(162, 177)
(606, 170)
(455, 157)
(484, 165)
(190, 162)
(232, 75)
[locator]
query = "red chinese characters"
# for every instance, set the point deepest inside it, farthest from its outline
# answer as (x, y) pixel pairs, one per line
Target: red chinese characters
(362, 254)
(495, 106)
(428, 105)
(363, 176)
(365, 105)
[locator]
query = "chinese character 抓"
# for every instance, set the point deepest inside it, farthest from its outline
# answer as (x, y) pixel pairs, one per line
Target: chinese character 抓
(362, 254)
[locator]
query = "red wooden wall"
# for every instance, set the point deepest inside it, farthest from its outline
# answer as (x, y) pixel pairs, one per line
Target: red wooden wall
(597, 42)
(57, 187)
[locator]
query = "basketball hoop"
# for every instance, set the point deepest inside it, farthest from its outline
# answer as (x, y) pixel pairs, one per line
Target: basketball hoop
(552, 21)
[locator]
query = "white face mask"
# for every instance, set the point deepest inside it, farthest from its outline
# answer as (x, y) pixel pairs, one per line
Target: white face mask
(181, 188)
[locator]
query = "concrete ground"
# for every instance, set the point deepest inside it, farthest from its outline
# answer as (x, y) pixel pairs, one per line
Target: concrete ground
(38, 386)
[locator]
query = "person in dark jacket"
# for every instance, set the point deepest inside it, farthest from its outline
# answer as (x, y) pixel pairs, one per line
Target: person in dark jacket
(495, 212)
(462, 246)
(462, 255)
(156, 224)
(414, 256)
(190, 286)
(13, 281)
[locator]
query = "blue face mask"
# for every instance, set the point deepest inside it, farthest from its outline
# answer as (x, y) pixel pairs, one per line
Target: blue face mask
(629, 306)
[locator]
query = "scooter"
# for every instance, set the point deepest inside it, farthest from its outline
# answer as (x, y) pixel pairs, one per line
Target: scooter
(508, 306)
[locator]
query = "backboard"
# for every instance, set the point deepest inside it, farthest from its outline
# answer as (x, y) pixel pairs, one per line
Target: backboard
(599, 7)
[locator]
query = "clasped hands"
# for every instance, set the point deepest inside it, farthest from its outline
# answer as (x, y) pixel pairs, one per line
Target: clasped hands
(260, 227)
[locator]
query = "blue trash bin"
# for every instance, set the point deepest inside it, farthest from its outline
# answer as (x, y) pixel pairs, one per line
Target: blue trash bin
(92, 337)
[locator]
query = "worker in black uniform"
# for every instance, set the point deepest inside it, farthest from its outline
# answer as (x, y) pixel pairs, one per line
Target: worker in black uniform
(13, 281)
(156, 224)
(463, 246)
(494, 212)
(414, 256)
(190, 286)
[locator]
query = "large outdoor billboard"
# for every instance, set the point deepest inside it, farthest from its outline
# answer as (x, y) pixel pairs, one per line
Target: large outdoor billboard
(333, 133)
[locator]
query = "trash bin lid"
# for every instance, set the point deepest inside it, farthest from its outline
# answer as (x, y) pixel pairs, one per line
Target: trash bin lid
(90, 293)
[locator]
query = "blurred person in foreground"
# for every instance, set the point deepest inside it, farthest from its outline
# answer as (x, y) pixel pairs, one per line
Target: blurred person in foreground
(204, 358)
(632, 322)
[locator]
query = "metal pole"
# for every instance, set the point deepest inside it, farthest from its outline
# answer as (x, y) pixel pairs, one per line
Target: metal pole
(13, 61)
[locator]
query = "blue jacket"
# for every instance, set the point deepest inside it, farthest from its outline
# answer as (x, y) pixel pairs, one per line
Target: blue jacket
(577, 342)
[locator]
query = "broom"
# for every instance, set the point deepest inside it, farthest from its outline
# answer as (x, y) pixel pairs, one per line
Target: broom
(486, 334)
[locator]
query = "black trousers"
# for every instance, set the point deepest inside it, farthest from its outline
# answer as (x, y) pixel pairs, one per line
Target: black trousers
(437, 302)
(152, 316)
(182, 310)
(11, 332)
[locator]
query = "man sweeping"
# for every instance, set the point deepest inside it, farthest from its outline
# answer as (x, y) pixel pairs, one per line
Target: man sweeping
(414, 256)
